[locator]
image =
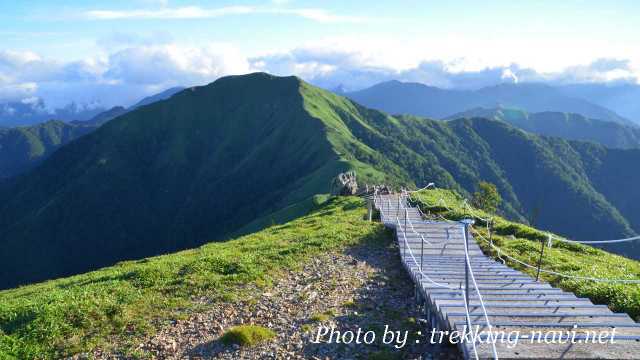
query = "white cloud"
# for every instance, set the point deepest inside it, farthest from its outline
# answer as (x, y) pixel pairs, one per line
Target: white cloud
(196, 12)
(119, 78)
(508, 74)
(163, 3)
(16, 92)
(320, 15)
(187, 12)
(601, 70)
(139, 67)
(170, 63)
(356, 63)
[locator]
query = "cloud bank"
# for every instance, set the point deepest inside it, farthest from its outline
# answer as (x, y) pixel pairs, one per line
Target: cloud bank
(138, 68)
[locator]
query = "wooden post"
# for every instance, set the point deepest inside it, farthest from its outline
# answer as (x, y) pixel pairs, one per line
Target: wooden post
(491, 231)
(404, 231)
(370, 209)
(542, 243)
(405, 219)
(421, 259)
(467, 223)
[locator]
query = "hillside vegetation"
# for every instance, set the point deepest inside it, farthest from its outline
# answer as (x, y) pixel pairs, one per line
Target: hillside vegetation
(523, 243)
(212, 160)
(564, 125)
(70, 315)
(22, 148)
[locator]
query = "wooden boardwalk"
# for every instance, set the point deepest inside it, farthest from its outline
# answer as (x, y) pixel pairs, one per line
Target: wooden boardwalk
(433, 252)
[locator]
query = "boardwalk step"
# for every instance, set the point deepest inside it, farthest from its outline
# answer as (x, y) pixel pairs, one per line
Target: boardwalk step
(435, 255)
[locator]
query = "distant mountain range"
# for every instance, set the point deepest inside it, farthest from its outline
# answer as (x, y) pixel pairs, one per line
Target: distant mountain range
(564, 125)
(33, 111)
(22, 113)
(624, 99)
(213, 159)
(397, 97)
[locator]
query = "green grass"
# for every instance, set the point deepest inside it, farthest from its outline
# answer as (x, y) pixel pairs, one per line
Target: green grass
(523, 243)
(283, 215)
(247, 335)
(322, 317)
(70, 315)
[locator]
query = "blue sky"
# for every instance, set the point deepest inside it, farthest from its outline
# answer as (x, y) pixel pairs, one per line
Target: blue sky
(116, 51)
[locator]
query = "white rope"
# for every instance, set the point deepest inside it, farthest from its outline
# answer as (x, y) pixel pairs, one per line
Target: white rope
(622, 281)
(468, 316)
(597, 241)
(411, 224)
(486, 221)
(474, 213)
(437, 284)
(475, 284)
(408, 249)
(436, 215)
(416, 261)
(424, 188)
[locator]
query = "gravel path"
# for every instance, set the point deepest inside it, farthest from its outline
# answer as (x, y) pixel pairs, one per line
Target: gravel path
(364, 287)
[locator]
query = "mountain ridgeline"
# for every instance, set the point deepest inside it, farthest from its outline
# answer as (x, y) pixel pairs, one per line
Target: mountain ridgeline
(212, 159)
(397, 97)
(564, 125)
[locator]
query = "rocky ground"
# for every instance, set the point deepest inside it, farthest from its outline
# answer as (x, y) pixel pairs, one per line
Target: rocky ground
(364, 287)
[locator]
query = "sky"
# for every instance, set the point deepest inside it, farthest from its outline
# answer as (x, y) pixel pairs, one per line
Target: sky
(115, 52)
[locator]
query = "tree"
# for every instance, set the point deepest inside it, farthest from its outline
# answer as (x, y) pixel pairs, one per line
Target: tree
(487, 197)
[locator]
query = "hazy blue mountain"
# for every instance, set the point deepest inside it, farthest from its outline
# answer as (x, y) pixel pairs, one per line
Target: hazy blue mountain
(397, 97)
(565, 125)
(624, 99)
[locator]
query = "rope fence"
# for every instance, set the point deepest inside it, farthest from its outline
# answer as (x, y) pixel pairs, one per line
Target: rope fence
(576, 277)
(500, 253)
(406, 249)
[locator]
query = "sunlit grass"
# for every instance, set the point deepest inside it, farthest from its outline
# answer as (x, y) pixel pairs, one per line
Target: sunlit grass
(65, 316)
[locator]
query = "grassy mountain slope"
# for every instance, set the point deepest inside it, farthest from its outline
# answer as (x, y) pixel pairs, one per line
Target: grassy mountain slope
(421, 100)
(21, 148)
(173, 175)
(613, 172)
(565, 125)
(211, 160)
(523, 243)
(66, 316)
